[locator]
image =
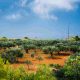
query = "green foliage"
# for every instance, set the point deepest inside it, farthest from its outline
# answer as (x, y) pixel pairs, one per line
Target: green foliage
(74, 48)
(20, 74)
(16, 74)
(56, 66)
(6, 44)
(44, 73)
(71, 70)
(75, 38)
(72, 67)
(18, 42)
(12, 54)
(9, 73)
(39, 58)
(45, 50)
(3, 72)
(50, 49)
(28, 47)
(28, 62)
(32, 54)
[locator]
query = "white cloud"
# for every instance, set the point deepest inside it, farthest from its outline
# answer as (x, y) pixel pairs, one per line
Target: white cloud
(13, 16)
(43, 8)
(48, 16)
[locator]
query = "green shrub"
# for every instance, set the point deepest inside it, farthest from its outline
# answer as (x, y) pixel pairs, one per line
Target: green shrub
(32, 54)
(28, 62)
(71, 69)
(50, 50)
(39, 58)
(12, 54)
(3, 72)
(56, 66)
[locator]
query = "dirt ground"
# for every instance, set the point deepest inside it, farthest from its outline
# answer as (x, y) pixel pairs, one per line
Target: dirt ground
(58, 59)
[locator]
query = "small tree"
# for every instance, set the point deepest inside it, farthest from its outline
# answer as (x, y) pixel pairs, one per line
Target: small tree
(39, 58)
(26, 38)
(77, 38)
(28, 62)
(28, 47)
(32, 54)
(74, 48)
(51, 50)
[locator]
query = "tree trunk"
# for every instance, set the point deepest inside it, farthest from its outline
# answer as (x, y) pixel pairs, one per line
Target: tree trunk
(17, 59)
(58, 53)
(35, 51)
(26, 50)
(51, 55)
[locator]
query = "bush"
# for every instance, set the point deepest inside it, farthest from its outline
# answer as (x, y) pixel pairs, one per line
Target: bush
(50, 49)
(39, 58)
(12, 54)
(71, 69)
(9, 73)
(56, 66)
(32, 54)
(3, 73)
(28, 62)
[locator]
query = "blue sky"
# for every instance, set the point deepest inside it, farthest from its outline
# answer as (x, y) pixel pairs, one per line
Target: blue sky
(39, 18)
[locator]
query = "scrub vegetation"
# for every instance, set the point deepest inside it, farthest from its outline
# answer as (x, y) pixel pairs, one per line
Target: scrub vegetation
(28, 59)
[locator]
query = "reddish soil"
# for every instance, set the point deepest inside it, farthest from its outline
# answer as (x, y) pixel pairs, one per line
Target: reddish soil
(58, 59)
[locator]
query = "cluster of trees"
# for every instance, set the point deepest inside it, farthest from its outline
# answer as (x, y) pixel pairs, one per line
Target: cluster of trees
(47, 46)
(12, 49)
(59, 48)
(6, 44)
(75, 38)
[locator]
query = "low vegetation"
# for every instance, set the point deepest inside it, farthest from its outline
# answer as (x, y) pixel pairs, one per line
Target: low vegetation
(11, 50)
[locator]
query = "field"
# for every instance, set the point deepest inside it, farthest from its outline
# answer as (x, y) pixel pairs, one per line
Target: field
(39, 39)
(27, 59)
(58, 59)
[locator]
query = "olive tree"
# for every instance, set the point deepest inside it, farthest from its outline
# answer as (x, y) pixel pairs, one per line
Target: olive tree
(28, 62)
(28, 47)
(50, 49)
(12, 55)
